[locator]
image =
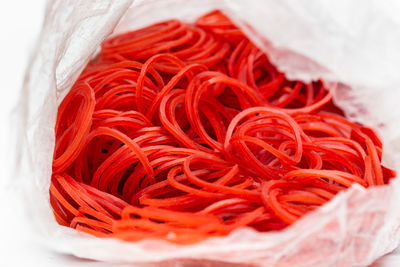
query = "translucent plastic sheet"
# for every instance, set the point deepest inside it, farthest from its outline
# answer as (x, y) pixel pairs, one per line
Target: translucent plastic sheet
(354, 42)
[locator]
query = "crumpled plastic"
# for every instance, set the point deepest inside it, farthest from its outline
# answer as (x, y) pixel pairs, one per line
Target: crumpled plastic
(353, 42)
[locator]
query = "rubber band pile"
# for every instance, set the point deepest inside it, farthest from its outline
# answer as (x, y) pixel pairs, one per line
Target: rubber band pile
(186, 131)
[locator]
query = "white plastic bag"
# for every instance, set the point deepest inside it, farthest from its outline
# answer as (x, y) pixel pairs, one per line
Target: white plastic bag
(354, 42)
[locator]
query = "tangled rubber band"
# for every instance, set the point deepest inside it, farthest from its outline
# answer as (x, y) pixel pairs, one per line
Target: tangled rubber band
(184, 131)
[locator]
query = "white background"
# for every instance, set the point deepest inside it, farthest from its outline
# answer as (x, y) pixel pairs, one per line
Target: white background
(20, 24)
